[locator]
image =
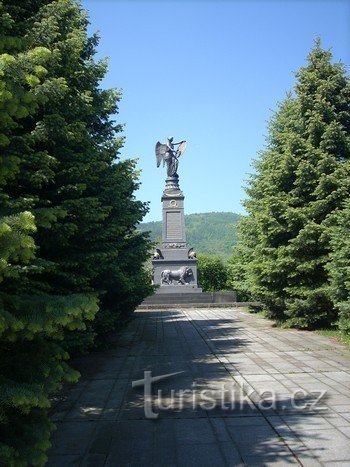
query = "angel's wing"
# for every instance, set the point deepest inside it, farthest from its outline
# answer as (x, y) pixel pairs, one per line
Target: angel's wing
(160, 151)
(182, 148)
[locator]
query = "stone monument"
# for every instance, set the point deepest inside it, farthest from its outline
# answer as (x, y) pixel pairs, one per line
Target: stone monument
(174, 264)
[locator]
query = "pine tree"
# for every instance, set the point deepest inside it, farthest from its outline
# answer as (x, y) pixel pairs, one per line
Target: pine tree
(300, 180)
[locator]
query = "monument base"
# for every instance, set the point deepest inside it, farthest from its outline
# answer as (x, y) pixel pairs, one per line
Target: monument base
(174, 264)
(175, 272)
(192, 298)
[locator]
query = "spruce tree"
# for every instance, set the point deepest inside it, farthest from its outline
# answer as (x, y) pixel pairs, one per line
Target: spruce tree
(265, 234)
(300, 180)
(33, 361)
(323, 94)
(83, 198)
(68, 214)
(238, 277)
(32, 319)
(339, 266)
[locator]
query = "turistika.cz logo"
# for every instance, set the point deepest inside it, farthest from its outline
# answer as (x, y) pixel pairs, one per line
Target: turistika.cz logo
(225, 396)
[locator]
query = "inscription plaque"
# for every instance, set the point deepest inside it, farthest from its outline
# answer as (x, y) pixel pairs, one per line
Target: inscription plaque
(173, 225)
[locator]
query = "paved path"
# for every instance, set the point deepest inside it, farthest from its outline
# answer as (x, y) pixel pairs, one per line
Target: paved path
(234, 357)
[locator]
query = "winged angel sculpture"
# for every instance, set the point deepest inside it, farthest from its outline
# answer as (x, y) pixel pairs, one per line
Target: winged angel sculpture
(170, 155)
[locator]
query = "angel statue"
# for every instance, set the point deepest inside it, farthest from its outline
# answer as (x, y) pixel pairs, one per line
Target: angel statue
(170, 155)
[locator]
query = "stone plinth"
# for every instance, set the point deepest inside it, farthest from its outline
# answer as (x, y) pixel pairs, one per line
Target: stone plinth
(190, 281)
(191, 297)
(174, 267)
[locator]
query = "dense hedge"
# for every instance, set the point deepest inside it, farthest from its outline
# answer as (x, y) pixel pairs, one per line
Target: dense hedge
(212, 273)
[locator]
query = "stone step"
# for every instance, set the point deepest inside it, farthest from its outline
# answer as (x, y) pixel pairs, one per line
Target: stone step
(163, 306)
(191, 297)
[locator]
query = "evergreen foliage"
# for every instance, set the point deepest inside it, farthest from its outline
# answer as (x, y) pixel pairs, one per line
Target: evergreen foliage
(212, 273)
(238, 263)
(339, 266)
(32, 362)
(301, 179)
(71, 260)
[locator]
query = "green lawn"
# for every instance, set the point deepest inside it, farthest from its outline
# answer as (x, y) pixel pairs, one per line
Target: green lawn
(336, 334)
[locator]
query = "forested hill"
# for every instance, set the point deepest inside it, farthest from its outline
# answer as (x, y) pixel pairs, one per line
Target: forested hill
(209, 232)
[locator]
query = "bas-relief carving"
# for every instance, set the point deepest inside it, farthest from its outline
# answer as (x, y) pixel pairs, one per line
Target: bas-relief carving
(180, 275)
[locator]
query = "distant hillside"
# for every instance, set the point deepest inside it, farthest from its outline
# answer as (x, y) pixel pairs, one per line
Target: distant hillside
(210, 232)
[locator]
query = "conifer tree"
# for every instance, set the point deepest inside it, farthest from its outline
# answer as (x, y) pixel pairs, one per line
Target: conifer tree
(94, 243)
(300, 179)
(67, 214)
(32, 320)
(238, 278)
(339, 266)
(32, 360)
(82, 197)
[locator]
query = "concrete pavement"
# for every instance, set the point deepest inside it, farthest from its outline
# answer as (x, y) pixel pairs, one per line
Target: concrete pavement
(248, 394)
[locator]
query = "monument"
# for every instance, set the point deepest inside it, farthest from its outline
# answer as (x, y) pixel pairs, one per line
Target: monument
(174, 264)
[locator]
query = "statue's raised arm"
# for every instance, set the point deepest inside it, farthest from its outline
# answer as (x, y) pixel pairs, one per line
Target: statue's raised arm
(170, 155)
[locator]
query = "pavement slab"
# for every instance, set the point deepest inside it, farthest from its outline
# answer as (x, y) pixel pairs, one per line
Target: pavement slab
(234, 391)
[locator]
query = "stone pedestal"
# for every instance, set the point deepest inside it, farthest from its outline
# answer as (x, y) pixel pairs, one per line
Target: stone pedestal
(175, 269)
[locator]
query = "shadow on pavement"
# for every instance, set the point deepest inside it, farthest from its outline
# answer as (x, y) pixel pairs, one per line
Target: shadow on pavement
(207, 415)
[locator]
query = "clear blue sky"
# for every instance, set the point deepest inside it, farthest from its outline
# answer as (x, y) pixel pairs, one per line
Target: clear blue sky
(210, 72)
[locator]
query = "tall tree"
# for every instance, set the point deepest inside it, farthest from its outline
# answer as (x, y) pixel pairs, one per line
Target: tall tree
(32, 320)
(339, 266)
(82, 197)
(68, 214)
(238, 276)
(300, 179)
